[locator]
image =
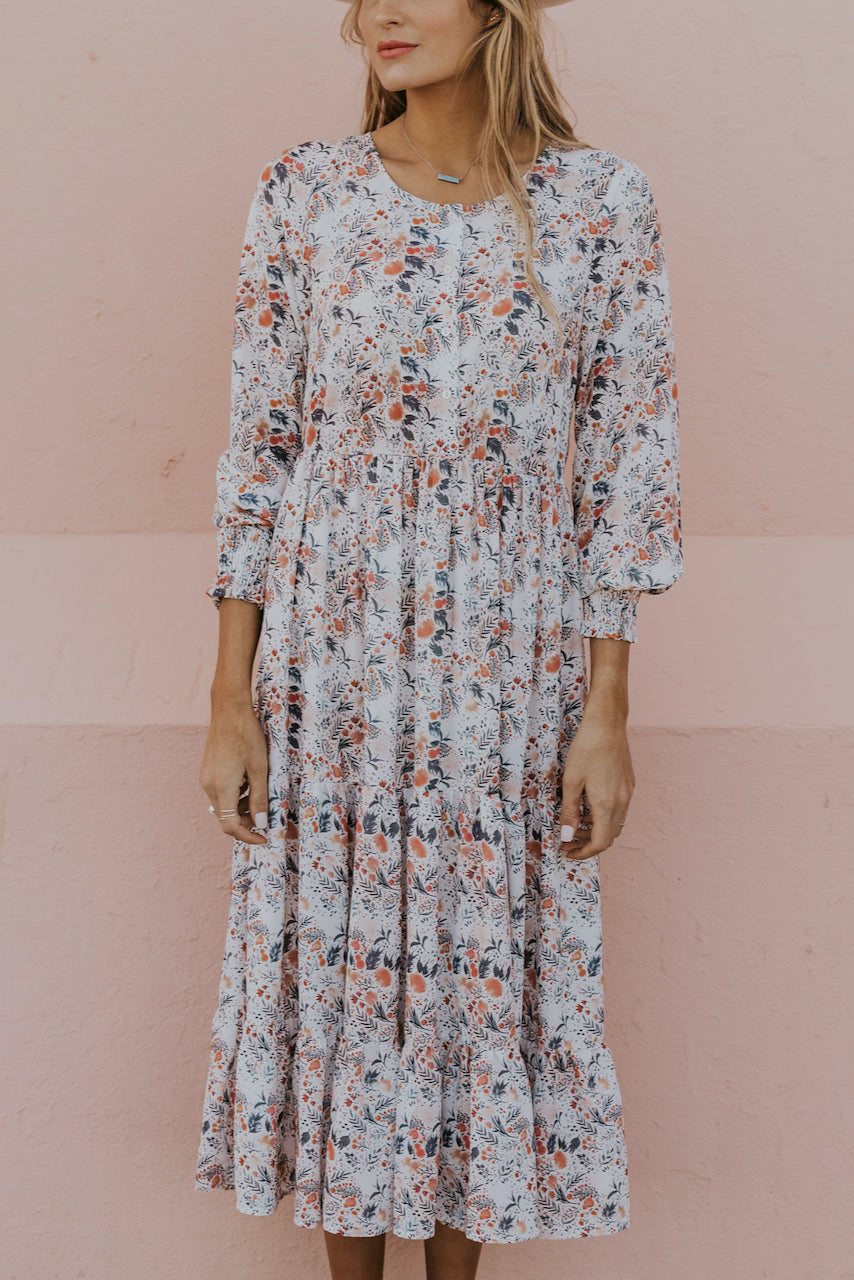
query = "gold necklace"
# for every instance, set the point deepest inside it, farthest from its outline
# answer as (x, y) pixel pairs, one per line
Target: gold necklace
(445, 177)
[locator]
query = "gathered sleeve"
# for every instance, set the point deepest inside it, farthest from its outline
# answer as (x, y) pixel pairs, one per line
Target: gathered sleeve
(625, 472)
(268, 374)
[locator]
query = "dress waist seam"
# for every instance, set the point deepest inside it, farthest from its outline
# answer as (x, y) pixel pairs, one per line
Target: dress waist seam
(534, 469)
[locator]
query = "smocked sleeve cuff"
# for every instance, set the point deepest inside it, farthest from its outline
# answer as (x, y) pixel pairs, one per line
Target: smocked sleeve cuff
(244, 556)
(610, 615)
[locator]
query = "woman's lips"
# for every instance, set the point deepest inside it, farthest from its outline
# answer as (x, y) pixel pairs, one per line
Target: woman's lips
(397, 50)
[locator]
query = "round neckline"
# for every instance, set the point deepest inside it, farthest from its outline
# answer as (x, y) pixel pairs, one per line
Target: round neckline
(422, 202)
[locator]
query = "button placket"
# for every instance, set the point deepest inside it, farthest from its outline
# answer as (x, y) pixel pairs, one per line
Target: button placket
(448, 365)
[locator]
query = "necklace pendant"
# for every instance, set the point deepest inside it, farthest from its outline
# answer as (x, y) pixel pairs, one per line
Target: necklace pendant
(446, 177)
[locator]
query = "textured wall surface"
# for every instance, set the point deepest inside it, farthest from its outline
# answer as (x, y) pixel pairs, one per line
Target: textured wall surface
(139, 134)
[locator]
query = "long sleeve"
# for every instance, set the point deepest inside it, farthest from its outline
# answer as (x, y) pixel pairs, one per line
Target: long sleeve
(267, 382)
(625, 476)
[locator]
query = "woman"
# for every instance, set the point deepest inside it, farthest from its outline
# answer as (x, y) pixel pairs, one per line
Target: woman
(409, 1034)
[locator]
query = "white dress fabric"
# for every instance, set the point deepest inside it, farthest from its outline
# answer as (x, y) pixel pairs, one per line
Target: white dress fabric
(410, 1023)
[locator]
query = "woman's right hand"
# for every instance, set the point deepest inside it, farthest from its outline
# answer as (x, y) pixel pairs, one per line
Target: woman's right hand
(236, 751)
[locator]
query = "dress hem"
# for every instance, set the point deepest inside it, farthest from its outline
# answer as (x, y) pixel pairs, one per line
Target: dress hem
(603, 1229)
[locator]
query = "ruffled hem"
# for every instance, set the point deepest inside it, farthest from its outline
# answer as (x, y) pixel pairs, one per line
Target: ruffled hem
(392, 1058)
(497, 1183)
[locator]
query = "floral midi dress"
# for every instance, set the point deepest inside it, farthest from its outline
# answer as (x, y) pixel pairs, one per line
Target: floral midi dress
(410, 1018)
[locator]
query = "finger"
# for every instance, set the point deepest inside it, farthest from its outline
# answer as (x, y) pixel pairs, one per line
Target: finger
(234, 819)
(580, 849)
(257, 801)
(570, 811)
(601, 837)
(579, 846)
(241, 830)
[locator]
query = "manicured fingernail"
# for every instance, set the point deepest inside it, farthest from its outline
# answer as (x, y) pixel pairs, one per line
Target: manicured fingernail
(566, 834)
(261, 820)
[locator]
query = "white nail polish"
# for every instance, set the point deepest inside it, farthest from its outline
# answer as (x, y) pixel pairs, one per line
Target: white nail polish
(566, 834)
(261, 820)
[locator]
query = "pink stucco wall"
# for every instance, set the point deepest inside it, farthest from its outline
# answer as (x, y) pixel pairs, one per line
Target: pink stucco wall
(139, 133)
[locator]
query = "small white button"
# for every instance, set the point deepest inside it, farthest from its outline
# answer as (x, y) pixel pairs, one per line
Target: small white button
(447, 395)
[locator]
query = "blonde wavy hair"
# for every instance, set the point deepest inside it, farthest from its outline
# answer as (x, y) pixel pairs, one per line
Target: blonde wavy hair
(519, 93)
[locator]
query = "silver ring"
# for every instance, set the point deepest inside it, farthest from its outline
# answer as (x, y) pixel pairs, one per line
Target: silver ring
(226, 813)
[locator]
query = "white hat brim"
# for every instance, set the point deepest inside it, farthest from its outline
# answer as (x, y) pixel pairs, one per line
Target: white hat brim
(542, 4)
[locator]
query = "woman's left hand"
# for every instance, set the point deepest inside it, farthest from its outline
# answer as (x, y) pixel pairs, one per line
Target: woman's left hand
(598, 763)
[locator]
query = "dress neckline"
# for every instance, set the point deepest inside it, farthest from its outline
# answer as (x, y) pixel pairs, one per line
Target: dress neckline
(419, 201)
